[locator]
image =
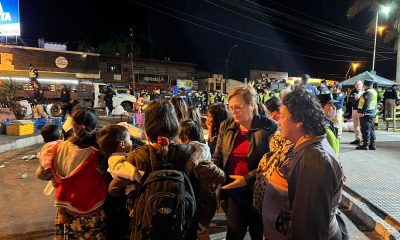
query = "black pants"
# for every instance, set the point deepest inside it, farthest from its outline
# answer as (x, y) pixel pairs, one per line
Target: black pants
(367, 128)
(240, 216)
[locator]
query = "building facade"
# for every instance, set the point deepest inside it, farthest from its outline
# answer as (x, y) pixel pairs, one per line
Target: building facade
(60, 66)
(147, 73)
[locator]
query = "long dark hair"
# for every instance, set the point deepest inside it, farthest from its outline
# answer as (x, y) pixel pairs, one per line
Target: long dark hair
(181, 108)
(219, 113)
(161, 121)
(86, 120)
(305, 108)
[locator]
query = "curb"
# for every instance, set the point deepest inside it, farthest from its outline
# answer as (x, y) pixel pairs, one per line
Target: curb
(371, 216)
(21, 143)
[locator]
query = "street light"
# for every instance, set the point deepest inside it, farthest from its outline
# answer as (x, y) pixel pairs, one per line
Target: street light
(385, 10)
(227, 60)
(355, 66)
(133, 77)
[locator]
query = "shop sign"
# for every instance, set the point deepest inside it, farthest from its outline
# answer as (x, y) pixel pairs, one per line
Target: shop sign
(153, 79)
(61, 62)
(187, 84)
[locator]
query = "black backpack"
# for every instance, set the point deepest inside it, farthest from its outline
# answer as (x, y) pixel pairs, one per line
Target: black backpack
(165, 205)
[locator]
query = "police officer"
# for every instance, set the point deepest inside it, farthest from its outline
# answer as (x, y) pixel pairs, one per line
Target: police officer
(65, 99)
(33, 74)
(108, 99)
(389, 99)
(38, 100)
(310, 88)
(366, 112)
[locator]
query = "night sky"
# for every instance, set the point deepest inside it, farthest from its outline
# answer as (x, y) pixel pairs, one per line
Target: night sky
(268, 32)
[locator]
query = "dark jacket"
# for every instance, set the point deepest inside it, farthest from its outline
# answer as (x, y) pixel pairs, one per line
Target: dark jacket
(65, 95)
(391, 93)
(314, 190)
(108, 96)
(38, 96)
(261, 131)
(207, 174)
(352, 99)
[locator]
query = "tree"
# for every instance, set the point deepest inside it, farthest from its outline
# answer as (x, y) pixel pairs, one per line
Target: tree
(8, 98)
(394, 19)
(118, 44)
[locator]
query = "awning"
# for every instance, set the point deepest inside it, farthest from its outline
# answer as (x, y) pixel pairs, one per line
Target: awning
(380, 81)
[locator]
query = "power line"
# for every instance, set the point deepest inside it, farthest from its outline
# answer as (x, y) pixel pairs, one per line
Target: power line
(239, 38)
(249, 34)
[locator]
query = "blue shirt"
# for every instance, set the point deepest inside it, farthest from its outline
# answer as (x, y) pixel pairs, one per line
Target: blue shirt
(339, 97)
(310, 88)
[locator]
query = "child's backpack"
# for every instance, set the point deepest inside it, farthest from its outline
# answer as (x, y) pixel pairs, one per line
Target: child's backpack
(165, 205)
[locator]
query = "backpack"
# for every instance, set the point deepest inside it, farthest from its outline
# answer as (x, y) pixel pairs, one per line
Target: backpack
(165, 205)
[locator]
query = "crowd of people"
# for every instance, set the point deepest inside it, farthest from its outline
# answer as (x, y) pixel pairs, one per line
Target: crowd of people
(271, 166)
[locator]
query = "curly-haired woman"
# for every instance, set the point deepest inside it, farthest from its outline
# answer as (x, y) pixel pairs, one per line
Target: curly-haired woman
(313, 175)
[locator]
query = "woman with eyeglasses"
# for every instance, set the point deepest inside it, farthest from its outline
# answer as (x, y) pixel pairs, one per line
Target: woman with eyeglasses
(242, 141)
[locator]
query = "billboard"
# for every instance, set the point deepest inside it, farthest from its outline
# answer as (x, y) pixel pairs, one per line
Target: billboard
(9, 18)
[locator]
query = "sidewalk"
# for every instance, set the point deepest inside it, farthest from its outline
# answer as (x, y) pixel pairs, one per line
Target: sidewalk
(373, 182)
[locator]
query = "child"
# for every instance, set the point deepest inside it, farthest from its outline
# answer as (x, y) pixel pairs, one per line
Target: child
(116, 141)
(207, 174)
(50, 133)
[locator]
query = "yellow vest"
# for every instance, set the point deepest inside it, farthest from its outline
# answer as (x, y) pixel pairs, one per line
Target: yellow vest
(32, 73)
(374, 101)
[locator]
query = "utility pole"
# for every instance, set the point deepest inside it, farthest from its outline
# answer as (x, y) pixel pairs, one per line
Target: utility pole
(131, 55)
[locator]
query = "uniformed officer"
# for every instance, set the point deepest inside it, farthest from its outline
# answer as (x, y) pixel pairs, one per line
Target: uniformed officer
(33, 74)
(367, 111)
(38, 100)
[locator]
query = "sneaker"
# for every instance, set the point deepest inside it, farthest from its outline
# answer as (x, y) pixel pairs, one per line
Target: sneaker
(372, 146)
(356, 142)
(362, 147)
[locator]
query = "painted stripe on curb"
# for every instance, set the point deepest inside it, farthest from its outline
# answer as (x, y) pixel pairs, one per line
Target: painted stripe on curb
(21, 143)
(369, 217)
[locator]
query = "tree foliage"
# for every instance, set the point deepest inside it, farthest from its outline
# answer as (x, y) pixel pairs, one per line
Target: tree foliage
(8, 97)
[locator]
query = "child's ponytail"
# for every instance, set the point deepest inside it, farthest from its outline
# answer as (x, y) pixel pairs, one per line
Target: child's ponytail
(85, 120)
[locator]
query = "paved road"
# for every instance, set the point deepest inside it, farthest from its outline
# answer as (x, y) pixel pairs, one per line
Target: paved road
(28, 214)
(375, 174)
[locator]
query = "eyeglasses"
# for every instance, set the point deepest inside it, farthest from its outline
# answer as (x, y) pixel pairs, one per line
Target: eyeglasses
(236, 108)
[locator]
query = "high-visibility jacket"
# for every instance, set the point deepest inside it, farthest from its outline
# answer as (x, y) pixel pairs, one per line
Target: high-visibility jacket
(373, 102)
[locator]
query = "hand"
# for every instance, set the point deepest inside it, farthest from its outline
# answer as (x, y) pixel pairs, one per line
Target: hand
(238, 181)
(360, 115)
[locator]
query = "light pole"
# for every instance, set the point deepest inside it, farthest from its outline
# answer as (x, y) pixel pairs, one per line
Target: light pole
(133, 76)
(227, 61)
(386, 11)
(355, 66)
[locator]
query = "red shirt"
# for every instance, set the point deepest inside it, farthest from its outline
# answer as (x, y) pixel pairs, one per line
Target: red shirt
(238, 161)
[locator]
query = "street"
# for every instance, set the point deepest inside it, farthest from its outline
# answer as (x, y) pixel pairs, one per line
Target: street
(28, 214)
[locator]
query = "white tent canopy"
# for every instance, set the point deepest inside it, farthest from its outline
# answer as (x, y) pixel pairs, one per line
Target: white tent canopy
(380, 81)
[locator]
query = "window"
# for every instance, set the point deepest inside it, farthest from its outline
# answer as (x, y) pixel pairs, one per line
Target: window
(114, 68)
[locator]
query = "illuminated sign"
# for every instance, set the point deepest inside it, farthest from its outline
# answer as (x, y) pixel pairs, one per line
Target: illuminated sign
(155, 79)
(9, 18)
(61, 62)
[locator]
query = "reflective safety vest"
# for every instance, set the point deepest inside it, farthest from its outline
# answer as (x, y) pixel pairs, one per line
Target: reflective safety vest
(374, 101)
(32, 73)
